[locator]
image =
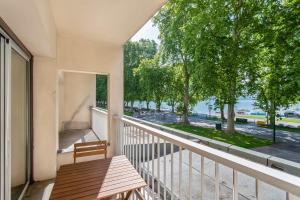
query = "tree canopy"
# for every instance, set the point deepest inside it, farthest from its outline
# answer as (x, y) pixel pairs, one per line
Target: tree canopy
(134, 53)
(221, 50)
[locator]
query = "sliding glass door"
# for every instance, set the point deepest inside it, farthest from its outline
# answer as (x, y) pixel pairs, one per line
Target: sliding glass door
(2, 120)
(19, 124)
(15, 120)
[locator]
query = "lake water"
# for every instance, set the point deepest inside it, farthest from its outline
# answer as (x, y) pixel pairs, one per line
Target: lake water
(203, 106)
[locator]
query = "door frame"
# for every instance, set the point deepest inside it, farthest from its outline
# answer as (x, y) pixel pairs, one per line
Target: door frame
(2, 119)
(10, 42)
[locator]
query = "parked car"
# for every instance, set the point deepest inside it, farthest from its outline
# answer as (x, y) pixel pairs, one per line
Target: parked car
(292, 114)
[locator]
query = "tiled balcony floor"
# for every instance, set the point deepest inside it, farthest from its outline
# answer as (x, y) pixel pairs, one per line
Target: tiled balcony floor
(40, 190)
(69, 137)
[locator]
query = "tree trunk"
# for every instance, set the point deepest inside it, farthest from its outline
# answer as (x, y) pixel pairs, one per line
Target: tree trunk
(222, 112)
(158, 104)
(147, 105)
(272, 115)
(230, 118)
(172, 107)
(186, 97)
(131, 105)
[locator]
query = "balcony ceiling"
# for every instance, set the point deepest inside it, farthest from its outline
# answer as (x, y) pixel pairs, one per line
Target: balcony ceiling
(37, 22)
(111, 21)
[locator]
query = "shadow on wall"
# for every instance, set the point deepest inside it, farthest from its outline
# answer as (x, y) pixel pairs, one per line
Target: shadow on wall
(72, 124)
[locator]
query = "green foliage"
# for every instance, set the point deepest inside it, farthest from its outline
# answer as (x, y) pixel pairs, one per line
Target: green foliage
(134, 52)
(221, 50)
(226, 49)
(279, 68)
(153, 79)
(233, 48)
(177, 47)
(101, 91)
(173, 96)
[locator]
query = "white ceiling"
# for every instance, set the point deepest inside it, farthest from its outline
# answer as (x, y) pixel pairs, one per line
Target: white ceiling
(37, 22)
(111, 21)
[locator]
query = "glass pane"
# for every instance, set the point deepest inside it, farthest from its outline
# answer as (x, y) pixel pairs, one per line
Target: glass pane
(2, 146)
(19, 122)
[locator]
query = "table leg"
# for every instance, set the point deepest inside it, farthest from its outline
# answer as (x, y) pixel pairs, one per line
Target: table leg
(128, 195)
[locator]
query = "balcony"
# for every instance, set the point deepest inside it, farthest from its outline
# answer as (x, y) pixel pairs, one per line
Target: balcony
(177, 168)
(63, 43)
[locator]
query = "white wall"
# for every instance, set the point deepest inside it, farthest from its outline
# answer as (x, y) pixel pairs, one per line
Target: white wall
(100, 123)
(33, 23)
(60, 99)
(79, 95)
(73, 55)
(44, 118)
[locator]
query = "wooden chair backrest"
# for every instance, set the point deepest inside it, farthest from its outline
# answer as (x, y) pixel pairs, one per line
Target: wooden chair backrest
(90, 149)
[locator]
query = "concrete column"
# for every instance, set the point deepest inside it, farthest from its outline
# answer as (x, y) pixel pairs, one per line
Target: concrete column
(115, 101)
(44, 118)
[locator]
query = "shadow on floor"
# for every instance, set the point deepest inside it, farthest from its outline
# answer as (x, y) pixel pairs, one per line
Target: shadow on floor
(68, 138)
(39, 190)
(289, 151)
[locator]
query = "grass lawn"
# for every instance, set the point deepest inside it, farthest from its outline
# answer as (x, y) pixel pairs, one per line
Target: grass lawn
(284, 128)
(295, 120)
(241, 140)
(128, 113)
(252, 117)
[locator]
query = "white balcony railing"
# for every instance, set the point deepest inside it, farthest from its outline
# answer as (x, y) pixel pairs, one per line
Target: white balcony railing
(176, 168)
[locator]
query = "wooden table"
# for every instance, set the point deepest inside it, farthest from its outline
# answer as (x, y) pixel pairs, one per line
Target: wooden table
(98, 179)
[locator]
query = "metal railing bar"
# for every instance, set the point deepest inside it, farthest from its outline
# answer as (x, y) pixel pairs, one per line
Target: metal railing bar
(235, 185)
(158, 166)
(152, 170)
(180, 172)
(165, 170)
(172, 171)
(202, 177)
(217, 181)
(190, 174)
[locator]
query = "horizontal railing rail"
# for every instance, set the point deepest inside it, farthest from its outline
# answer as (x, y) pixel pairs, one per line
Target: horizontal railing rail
(147, 149)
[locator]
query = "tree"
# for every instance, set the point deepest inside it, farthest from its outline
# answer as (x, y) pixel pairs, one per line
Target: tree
(279, 72)
(134, 52)
(154, 79)
(175, 84)
(226, 53)
(101, 90)
(177, 47)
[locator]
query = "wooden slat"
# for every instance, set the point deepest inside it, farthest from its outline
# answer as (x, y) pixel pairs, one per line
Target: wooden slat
(119, 190)
(90, 143)
(98, 193)
(96, 168)
(92, 148)
(92, 179)
(89, 149)
(96, 179)
(85, 176)
(91, 153)
(90, 182)
(83, 165)
(103, 186)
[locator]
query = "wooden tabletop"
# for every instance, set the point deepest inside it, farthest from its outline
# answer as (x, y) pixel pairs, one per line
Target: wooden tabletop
(96, 179)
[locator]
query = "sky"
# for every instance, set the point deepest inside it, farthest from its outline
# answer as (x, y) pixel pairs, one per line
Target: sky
(148, 31)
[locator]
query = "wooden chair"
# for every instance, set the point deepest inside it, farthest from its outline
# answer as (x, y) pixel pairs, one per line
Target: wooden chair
(90, 149)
